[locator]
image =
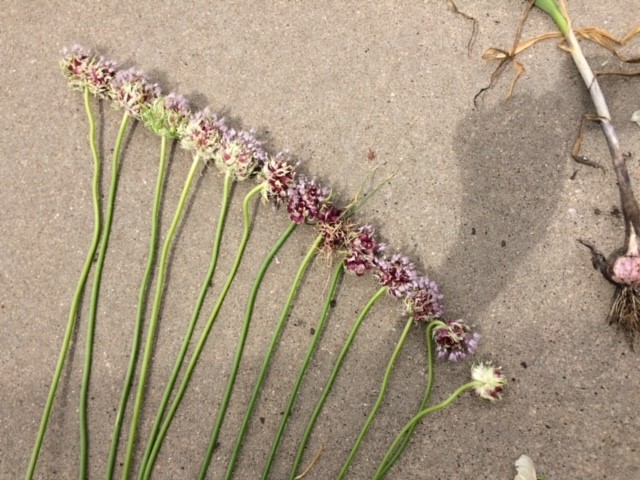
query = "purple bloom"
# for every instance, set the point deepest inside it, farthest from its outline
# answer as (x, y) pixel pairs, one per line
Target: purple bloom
(455, 340)
(397, 273)
(423, 300)
(362, 250)
(334, 230)
(74, 64)
(82, 70)
(305, 200)
(241, 152)
(202, 134)
(101, 74)
(133, 91)
(277, 176)
(166, 115)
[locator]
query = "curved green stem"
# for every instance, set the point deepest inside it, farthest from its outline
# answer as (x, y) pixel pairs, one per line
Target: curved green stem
(82, 281)
(145, 471)
(240, 348)
(267, 359)
(383, 469)
(414, 421)
(332, 377)
(376, 406)
(142, 296)
(206, 285)
(95, 294)
(335, 279)
(155, 313)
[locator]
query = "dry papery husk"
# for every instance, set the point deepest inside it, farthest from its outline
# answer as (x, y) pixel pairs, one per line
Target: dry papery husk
(593, 34)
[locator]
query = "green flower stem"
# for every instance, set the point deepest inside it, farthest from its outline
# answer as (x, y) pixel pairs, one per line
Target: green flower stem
(384, 468)
(147, 468)
(155, 313)
(240, 348)
(142, 296)
(551, 8)
(332, 377)
(423, 413)
(267, 359)
(82, 281)
(335, 279)
(376, 406)
(206, 285)
(95, 294)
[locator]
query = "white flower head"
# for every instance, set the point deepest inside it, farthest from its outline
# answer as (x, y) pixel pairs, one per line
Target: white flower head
(525, 469)
(491, 380)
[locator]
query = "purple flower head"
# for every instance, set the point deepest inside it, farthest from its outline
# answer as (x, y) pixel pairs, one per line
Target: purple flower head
(334, 229)
(490, 381)
(133, 91)
(398, 273)
(305, 200)
(455, 340)
(166, 115)
(277, 176)
(362, 250)
(423, 300)
(101, 74)
(202, 134)
(241, 152)
(83, 69)
(74, 64)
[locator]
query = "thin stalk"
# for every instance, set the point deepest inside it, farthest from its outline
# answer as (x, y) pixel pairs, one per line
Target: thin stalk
(147, 468)
(206, 285)
(155, 313)
(82, 281)
(335, 279)
(142, 297)
(376, 406)
(95, 294)
(630, 208)
(414, 421)
(332, 377)
(384, 468)
(240, 348)
(267, 359)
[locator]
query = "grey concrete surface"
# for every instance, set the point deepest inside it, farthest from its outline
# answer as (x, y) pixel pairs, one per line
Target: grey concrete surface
(327, 80)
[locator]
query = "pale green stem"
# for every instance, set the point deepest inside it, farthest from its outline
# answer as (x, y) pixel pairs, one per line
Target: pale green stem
(376, 406)
(332, 377)
(384, 468)
(335, 279)
(145, 471)
(206, 285)
(414, 421)
(155, 313)
(142, 297)
(73, 311)
(240, 348)
(267, 359)
(93, 307)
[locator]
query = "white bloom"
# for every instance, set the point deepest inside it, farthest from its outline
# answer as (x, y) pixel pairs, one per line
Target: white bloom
(525, 468)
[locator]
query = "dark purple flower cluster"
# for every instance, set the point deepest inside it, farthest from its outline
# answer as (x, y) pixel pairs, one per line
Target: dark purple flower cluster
(306, 198)
(133, 91)
(423, 300)
(455, 340)
(277, 176)
(362, 250)
(240, 152)
(334, 229)
(397, 273)
(202, 134)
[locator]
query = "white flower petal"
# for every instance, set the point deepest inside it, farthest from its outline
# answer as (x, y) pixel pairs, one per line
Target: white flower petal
(636, 117)
(525, 468)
